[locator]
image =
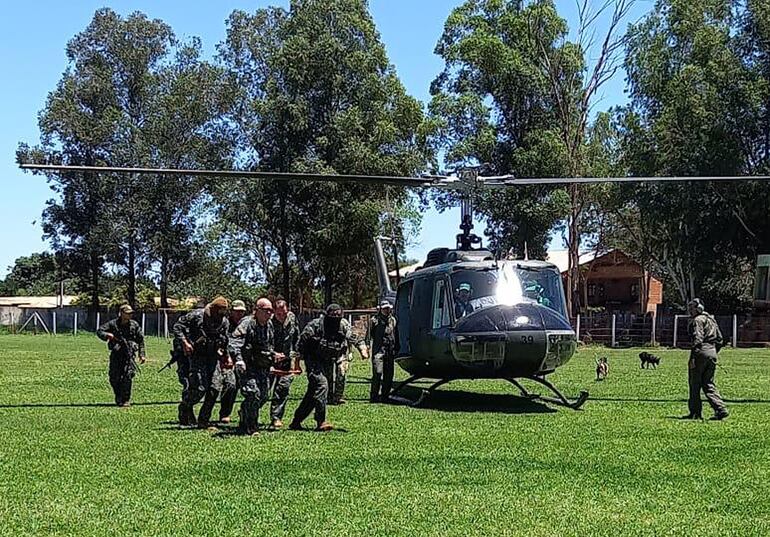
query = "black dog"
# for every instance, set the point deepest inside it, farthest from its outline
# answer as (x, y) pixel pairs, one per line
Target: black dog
(648, 359)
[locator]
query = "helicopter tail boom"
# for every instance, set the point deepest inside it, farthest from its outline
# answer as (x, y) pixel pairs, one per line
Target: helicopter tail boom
(383, 280)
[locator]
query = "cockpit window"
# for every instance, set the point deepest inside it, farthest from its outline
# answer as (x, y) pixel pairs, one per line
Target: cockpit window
(476, 289)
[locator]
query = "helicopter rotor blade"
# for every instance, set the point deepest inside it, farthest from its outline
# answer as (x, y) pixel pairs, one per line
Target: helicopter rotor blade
(422, 181)
(509, 181)
(418, 182)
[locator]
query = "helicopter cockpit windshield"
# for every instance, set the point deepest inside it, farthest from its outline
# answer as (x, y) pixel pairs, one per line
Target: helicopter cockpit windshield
(507, 284)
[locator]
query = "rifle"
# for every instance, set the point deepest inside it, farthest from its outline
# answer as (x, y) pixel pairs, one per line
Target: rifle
(175, 355)
(125, 349)
(174, 359)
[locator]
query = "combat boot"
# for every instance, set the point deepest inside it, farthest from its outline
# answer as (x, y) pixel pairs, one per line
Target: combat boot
(692, 417)
(203, 424)
(185, 416)
(295, 426)
(719, 416)
(324, 427)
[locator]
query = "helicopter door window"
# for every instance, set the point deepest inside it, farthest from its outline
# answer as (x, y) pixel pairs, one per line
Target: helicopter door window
(441, 316)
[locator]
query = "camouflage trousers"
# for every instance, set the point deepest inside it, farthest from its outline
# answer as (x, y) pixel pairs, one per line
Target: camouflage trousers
(279, 386)
(383, 368)
(223, 387)
(701, 378)
(199, 379)
(183, 373)
(316, 394)
(336, 374)
(121, 373)
(255, 387)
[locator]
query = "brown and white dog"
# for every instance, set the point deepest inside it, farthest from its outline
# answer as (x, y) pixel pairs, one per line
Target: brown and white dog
(602, 368)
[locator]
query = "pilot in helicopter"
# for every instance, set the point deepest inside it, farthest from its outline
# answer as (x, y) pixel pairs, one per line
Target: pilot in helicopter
(463, 305)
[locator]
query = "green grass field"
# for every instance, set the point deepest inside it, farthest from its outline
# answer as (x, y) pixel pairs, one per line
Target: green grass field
(477, 460)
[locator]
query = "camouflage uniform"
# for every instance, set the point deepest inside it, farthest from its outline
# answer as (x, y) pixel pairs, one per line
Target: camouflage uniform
(182, 366)
(208, 336)
(129, 340)
(224, 381)
(337, 372)
(286, 337)
(257, 354)
(384, 349)
(706, 342)
(321, 349)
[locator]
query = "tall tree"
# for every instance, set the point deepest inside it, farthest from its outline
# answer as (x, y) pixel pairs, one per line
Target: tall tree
(576, 70)
(494, 105)
(698, 96)
(132, 95)
(185, 130)
(317, 94)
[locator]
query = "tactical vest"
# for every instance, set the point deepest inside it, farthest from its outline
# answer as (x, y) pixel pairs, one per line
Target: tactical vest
(332, 346)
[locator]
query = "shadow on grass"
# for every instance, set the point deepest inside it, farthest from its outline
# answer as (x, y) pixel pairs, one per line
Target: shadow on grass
(462, 401)
(356, 379)
(85, 405)
(233, 432)
(671, 400)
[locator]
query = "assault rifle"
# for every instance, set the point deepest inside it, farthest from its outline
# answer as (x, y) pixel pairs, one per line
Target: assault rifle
(176, 354)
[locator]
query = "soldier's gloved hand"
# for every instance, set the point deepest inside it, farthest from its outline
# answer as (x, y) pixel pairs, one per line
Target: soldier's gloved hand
(364, 353)
(187, 348)
(109, 336)
(240, 366)
(142, 359)
(227, 363)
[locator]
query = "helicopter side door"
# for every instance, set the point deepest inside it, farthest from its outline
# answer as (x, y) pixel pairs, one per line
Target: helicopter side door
(403, 317)
(420, 316)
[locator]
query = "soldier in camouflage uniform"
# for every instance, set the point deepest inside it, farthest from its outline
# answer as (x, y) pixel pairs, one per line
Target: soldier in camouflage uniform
(337, 372)
(706, 343)
(254, 359)
(321, 344)
(202, 336)
(224, 383)
(384, 336)
(286, 333)
(124, 339)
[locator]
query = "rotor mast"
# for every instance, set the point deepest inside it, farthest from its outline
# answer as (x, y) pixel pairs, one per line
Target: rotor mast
(470, 181)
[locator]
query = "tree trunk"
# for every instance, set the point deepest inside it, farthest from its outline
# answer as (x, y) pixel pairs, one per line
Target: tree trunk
(164, 280)
(573, 272)
(284, 253)
(328, 288)
(132, 271)
(95, 270)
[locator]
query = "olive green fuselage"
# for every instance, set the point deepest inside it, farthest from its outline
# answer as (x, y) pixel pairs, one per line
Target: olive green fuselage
(496, 341)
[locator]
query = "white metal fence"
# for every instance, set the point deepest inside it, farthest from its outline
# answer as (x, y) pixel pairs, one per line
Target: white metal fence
(615, 330)
(626, 330)
(63, 321)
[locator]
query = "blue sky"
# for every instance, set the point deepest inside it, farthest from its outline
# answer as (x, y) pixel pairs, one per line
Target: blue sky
(32, 41)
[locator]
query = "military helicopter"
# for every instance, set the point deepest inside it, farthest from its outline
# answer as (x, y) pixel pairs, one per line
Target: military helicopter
(466, 313)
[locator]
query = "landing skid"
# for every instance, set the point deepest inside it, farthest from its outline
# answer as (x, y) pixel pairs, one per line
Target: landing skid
(560, 399)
